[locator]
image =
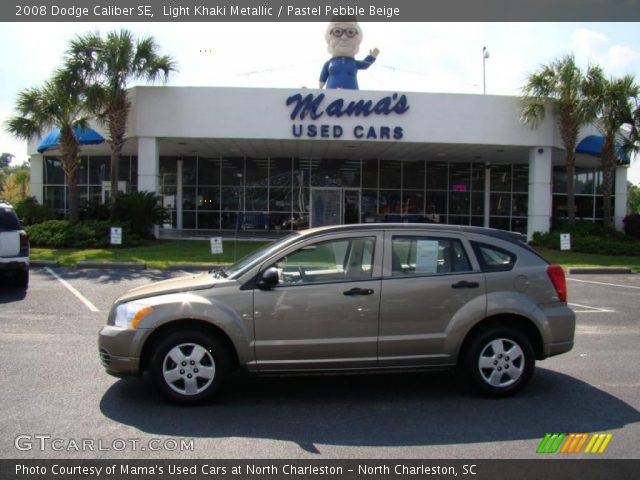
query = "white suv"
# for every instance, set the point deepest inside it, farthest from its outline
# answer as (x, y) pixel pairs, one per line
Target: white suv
(14, 247)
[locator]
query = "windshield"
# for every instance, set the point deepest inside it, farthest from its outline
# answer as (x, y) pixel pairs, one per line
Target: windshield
(246, 263)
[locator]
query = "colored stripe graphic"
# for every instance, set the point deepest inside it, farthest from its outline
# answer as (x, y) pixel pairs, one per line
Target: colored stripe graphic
(550, 443)
(573, 443)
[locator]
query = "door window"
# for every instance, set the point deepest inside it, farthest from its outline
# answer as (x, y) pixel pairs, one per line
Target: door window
(329, 261)
(428, 256)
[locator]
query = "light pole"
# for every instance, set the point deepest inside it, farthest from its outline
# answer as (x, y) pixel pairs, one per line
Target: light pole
(485, 55)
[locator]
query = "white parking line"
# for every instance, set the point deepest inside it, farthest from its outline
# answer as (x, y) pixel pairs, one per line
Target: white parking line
(591, 309)
(80, 297)
(602, 283)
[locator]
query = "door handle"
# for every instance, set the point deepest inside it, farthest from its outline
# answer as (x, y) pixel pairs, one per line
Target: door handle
(465, 284)
(358, 291)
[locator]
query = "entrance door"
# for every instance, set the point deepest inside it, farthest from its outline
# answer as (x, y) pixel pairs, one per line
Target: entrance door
(351, 205)
(334, 206)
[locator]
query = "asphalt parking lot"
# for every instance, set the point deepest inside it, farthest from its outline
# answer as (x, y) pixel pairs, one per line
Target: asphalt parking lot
(54, 388)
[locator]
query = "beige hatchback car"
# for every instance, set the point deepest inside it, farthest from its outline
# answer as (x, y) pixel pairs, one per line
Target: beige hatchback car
(350, 298)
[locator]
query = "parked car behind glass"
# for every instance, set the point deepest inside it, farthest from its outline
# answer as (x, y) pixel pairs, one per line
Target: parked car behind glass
(345, 299)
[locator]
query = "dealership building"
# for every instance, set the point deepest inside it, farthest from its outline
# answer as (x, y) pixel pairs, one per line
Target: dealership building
(266, 161)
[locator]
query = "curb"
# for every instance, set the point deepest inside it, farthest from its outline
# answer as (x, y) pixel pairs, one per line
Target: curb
(113, 265)
(599, 270)
(43, 263)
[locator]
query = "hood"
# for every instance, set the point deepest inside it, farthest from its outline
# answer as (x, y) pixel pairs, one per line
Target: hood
(201, 281)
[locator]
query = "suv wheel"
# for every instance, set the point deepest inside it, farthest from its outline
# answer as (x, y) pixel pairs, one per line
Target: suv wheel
(500, 361)
(189, 366)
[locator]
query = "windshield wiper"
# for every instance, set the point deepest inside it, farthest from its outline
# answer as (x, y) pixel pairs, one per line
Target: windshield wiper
(218, 272)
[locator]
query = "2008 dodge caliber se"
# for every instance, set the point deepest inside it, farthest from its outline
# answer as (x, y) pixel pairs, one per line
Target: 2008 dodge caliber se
(350, 298)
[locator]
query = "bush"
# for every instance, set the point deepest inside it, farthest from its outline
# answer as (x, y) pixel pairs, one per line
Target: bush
(140, 210)
(94, 211)
(632, 225)
(31, 212)
(589, 238)
(66, 234)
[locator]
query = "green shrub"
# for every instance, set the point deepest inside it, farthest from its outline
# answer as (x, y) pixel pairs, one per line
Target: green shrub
(140, 210)
(589, 238)
(632, 225)
(94, 211)
(31, 212)
(65, 234)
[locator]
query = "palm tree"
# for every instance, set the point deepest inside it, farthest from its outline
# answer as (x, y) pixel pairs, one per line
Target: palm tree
(613, 100)
(60, 102)
(562, 85)
(108, 65)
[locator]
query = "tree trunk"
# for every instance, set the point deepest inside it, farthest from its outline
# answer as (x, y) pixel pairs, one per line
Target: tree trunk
(608, 164)
(117, 120)
(571, 188)
(70, 148)
(72, 185)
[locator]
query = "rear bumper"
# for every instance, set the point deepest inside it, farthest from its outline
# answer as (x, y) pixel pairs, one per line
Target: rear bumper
(14, 264)
(561, 328)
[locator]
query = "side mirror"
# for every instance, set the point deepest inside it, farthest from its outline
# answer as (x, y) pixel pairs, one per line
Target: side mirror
(269, 278)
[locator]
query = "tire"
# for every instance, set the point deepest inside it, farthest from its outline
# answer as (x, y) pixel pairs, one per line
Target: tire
(22, 279)
(499, 361)
(188, 367)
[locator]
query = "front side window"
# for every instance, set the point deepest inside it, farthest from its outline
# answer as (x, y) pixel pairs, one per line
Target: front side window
(427, 256)
(337, 260)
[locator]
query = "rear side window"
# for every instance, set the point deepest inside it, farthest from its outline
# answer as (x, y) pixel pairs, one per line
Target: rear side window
(9, 219)
(493, 259)
(427, 256)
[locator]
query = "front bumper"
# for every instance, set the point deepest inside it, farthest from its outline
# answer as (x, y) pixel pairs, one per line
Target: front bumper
(119, 350)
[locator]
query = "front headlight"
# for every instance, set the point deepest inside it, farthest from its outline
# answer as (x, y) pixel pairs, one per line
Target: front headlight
(128, 315)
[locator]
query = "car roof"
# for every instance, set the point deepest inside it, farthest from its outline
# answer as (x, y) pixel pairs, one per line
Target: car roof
(512, 237)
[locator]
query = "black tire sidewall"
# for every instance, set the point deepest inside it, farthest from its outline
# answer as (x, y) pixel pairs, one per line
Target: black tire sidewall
(217, 349)
(477, 345)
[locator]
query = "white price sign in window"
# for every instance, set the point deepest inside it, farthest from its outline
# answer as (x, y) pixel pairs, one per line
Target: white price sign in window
(427, 256)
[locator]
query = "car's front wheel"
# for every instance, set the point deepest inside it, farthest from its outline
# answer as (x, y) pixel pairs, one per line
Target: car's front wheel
(189, 366)
(500, 361)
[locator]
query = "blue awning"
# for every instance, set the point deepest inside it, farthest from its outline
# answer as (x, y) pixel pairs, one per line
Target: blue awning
(85, 137)
(593, 144)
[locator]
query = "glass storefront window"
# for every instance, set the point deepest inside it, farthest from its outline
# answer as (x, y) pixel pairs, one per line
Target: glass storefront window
(189, 198)
(584, 206)
(280, 199)
(99, 170)
(370, 174)
(413, 202)
(256, 199)
(390, 201)
(437, 176)
(521, 178)
(369, 205)
(459, 203)
(520, 205)
(477, 177)
(281, 172)
(501, 178)
(232, 171)
(232, 198)
(460, 177)
(585, 181)
(500, 204)
(559, 180)
(257, 172)
(413, 174)
(53, 173)
(390, 172)
(208, 171)
(209, 220)
(208, 198)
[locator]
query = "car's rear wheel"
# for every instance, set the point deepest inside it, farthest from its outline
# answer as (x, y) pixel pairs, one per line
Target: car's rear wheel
(500, 361)
(188, 367)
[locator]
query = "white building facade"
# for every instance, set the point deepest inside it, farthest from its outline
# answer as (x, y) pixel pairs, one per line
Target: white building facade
(231, 159)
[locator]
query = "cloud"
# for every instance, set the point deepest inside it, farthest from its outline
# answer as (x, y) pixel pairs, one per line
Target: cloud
(595, 47)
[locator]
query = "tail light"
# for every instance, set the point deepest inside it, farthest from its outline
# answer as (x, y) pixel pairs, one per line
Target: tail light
(556, 275)
(24, 244)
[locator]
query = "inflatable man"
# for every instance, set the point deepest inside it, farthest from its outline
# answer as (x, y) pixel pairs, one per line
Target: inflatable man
(343, 42)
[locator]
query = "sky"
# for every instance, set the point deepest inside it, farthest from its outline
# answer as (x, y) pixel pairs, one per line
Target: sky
(414, 57)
